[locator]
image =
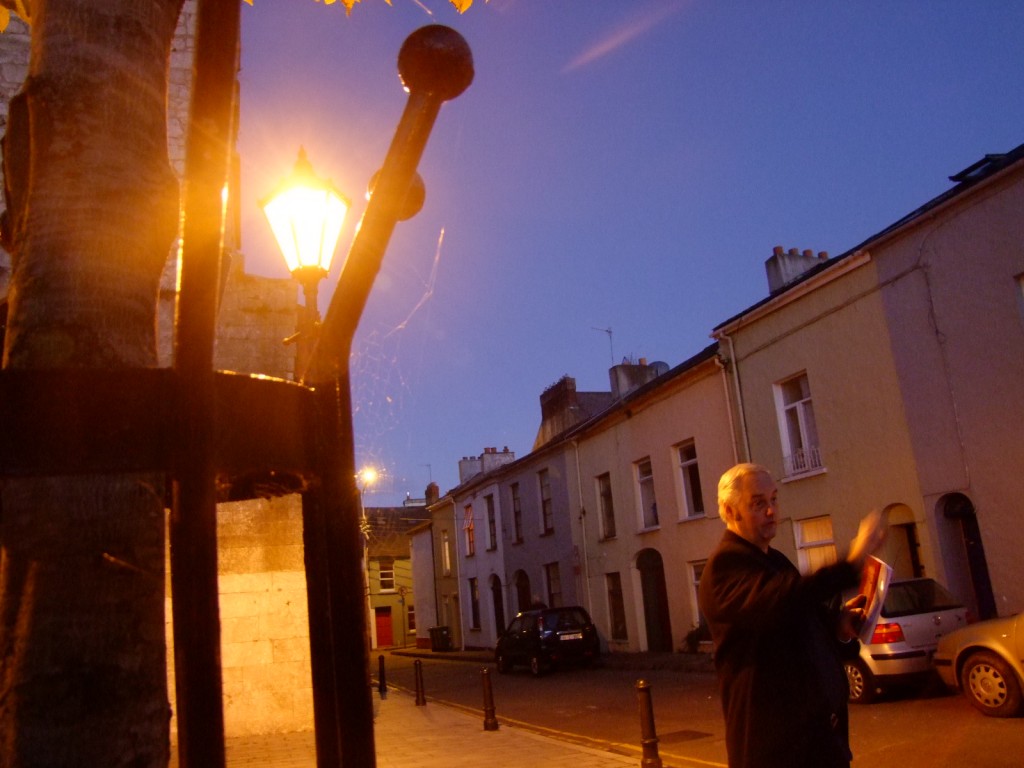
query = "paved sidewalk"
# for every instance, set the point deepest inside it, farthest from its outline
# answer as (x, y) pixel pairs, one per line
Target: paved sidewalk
(431, 736)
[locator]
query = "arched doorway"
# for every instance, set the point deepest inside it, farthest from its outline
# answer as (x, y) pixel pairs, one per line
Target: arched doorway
(902, 546)
(963, 540)
(655, 600)
(521, 582)
(499, 605)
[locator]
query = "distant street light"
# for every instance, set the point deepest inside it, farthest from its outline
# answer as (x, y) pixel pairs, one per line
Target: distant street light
(306, 214)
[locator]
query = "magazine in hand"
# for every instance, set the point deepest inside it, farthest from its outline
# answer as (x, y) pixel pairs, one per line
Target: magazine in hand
(874, 584)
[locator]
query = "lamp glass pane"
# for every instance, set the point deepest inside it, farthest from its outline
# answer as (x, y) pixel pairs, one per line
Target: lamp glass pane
(307, 223)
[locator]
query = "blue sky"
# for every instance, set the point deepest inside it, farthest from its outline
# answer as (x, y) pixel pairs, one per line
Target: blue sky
(616, 164)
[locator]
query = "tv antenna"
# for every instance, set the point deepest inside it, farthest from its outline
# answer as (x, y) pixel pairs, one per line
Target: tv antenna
(611, 349)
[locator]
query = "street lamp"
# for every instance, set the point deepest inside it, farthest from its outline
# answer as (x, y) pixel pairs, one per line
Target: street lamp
(306, 214)
(366, 478)
(435, 65)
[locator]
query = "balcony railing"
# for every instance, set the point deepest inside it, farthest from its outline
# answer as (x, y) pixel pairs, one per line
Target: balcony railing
(802, 460)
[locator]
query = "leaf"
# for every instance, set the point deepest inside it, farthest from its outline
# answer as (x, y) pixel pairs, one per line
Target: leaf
(5, 18)
(462, 5)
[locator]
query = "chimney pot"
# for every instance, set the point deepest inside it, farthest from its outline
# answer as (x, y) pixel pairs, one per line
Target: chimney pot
(809, 253)
(777, 250)
(794, 252)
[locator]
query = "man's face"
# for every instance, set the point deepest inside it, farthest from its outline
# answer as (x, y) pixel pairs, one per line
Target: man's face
(754, 515)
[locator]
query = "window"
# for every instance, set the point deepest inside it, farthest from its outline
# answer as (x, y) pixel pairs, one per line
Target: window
(547, 518)
(517, 515)
(645, 492)
(1020, 294)
(492, 525)
(696, 571)
(410, 617)
(474, 604)
(605, 505)
(616, 607)
(797, 428)
(554, 584)
(446, 554)
(467, 526)
(387, 574)
(693, 497)
(814, 543)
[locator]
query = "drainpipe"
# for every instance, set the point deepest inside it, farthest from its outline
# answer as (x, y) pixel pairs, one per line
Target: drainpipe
(583, 529)
(728, 407)
(739, 395)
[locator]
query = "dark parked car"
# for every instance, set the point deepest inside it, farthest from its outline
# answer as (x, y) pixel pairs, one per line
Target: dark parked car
(546, 637)
(915, 614)
(984, 660)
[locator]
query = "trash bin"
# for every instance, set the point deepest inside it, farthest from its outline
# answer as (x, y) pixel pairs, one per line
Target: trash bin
(440, 639)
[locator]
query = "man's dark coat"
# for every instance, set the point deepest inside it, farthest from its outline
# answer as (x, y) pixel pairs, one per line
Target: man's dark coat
(779, 664)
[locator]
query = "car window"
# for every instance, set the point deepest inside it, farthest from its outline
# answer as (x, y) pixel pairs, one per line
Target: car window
(565, 619)
(918, 596)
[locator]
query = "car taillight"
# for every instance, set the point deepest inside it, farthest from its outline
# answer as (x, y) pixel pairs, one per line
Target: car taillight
(887, 633)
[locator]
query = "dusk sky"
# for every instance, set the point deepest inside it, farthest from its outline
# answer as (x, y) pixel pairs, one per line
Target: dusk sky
(612, 182)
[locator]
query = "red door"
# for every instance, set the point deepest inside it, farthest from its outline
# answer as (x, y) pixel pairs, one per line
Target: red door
(385, 634)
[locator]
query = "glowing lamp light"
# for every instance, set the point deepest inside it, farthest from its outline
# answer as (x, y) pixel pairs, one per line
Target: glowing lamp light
(368, 476)
(306, 214)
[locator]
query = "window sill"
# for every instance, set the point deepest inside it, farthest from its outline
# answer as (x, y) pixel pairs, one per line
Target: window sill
(650, 529)
(692, 518)
(802, 475)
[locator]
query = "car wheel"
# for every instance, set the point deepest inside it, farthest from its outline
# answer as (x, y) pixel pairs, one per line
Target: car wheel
(502, 663)
(536, 666)
(991, 685)
(862, 683)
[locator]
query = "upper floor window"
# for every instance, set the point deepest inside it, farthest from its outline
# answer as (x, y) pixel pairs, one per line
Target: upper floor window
(387, 574)
(468, 528)
(645, 493)
(547, 514)
(446, 554)
(815, 545)
(492, 524)
(689, 476)
(605, 506)
(517, 515)
(797, 427)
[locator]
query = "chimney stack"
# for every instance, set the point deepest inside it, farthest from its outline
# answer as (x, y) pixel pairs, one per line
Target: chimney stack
(783, 267)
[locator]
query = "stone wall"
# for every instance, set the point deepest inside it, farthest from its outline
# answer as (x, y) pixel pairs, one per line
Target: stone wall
(264, 618)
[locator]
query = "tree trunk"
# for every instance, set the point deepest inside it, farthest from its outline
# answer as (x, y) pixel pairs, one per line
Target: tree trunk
(92, 207)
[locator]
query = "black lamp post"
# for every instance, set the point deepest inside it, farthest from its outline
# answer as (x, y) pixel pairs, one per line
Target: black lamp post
(435, 65)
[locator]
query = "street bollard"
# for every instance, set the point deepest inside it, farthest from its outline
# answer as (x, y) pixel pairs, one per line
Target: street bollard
(382, 681)
(648, 737)
(421, 698)
(490, 721)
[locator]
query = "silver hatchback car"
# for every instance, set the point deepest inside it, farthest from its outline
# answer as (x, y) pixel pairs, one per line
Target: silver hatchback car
(916, 613)
(986, 662)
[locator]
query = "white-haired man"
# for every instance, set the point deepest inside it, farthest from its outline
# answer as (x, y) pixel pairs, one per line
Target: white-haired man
(778, 641)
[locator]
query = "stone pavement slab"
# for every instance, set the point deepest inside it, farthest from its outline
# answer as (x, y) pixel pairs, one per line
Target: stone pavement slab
(431, 736)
